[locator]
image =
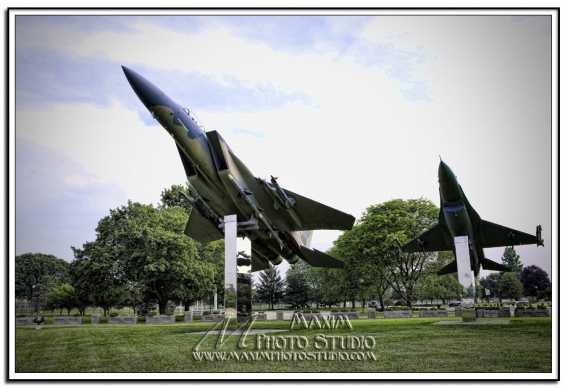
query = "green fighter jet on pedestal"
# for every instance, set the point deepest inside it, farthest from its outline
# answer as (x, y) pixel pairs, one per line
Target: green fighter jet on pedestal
(459, 219)
(278, 222)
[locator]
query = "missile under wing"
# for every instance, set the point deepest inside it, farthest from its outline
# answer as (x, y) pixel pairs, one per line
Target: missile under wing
(278, 222)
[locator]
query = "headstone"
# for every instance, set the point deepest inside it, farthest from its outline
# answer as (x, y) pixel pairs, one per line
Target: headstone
(188, 317)
(279, 315)
(96, 318)
(63, 320)
(371, 313)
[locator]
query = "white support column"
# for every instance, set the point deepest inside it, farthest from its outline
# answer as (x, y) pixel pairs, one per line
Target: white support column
(230, 302)
(465, 275)
(463, 261)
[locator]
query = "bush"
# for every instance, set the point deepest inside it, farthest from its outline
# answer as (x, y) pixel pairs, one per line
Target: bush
(21, 315)
(532, 307)
(215, 312)
(353, 310)
(77, 314)
(151, 314)
(207, 313)
(113, 314)
(335, 310)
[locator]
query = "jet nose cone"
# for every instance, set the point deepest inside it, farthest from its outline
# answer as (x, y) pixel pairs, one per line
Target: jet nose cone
(147, 92)
(444, 172)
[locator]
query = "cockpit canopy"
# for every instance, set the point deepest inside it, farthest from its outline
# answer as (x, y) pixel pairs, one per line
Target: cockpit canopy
(193, 117)
(453, 207)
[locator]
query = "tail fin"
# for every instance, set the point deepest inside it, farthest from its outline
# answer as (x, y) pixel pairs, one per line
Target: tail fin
(491, 265)
(320, 259)
(451, 267)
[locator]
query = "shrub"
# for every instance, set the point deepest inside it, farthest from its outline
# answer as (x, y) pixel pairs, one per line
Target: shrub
(113, 314)
(21, 315)
(170, 313)
(76, 314)
(151, 314)
(353, 310)
(335, 310)
(207, 313)
(532, 307)
(519, 308)
(541, 306)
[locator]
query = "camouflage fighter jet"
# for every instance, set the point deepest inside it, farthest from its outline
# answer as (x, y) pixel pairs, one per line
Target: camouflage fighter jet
(458, 218)
(277, 221)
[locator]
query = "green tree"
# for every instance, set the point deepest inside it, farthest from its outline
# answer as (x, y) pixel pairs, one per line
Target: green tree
(214, 254)
(172, 197)
(371, 251)
(491, 282)
(534, 279)
(270, 288)
(296, 285)
(511, 259)
(509, 286)
(99, 278)
(143, 250)
(60, 297)
(433, 286)
(33, 270)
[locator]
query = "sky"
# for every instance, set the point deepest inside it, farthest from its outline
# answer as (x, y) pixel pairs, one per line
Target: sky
(350, 111)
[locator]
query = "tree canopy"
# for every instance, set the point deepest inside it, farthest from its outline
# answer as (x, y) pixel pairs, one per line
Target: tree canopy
(534, 279)
(141, 252)
(270, 287)
(370, 251)
(511, 259)
(38, 271)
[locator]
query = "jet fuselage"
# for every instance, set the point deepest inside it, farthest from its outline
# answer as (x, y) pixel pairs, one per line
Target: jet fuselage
(456, 214)
(220, 184)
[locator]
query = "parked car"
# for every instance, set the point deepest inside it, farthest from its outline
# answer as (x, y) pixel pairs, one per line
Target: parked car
(298, 306)
(373, 304)
(523, 303)
(454, 304)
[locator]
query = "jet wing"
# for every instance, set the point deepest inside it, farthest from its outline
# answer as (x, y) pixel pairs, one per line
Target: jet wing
(495, 235)
(317, 216)
(431, 240)
(201, 229)
(317, 258)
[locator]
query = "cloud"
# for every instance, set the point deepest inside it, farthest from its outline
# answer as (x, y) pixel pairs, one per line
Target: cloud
(58, 203)
(255, 134)
(46, 78)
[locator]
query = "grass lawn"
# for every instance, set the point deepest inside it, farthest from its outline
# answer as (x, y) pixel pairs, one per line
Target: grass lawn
(396, 345)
